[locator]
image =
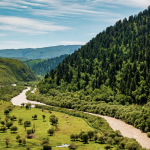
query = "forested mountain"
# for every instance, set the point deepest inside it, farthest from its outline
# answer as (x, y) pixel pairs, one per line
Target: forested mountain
(40, 53)
(112, 67)
(12, 71)
(44, 66)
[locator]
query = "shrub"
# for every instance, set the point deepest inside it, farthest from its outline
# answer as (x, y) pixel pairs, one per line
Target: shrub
(45, 141)
(13, 118)
(17, 137)
(27, 148)
(29, 131)
(107, 146)
(72, 137)
(3, 129)
(131, 145)
(28, 123)
(47, 147)
(148, 134)
(13, 128)
(50, 131)
(34, 117)
(3, 123)
(9, 124)
(19, 141)
(6, 111)
(20, 120)
(85, 137)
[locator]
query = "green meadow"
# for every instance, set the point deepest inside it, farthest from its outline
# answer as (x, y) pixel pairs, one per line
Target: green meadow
(66, 126)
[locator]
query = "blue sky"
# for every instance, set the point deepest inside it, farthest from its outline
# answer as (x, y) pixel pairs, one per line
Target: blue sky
(42, 23)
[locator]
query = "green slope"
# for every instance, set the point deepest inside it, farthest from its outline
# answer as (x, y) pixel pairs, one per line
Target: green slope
(39, 53)
(110, 75)
(113, 67)
(12, 71)
(44, 66)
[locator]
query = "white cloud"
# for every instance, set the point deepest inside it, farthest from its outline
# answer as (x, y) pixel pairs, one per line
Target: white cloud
(91, 33)
(2, 34)
(72, 43)
(130, 3)
(27, 25)
(60, 8)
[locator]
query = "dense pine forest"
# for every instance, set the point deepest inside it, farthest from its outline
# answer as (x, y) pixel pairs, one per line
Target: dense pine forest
(44, 66)
(110, 75)
(117, 61)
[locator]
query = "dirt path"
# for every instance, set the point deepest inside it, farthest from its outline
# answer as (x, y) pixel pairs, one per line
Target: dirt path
(125, 129)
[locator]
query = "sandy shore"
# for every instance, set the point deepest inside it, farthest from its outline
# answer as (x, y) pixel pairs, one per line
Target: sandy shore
(125, 129)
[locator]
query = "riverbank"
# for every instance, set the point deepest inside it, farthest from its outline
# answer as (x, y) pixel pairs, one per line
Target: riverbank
(116, 124)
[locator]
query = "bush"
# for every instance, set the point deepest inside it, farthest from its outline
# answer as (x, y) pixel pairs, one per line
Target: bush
(19, 141)
(28, 105)
(17, 137)
(3, 123)
(29, 131)
(13, 118)
(131, 145)
(34, 117)
(27, 148)
(13, 128)
(107, 146)
(45, 141)
(50, 131)
(72, 137)
(9, 124)
(28, 123)
(6, 111)
(3, 129)
(47, 147)
(148, 134)
(20, 120)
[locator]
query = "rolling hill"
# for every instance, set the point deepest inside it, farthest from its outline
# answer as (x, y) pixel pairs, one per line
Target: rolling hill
(12, 71)
(40, 53)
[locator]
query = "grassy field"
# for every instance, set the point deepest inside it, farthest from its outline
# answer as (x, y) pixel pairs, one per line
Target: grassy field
(67, 125)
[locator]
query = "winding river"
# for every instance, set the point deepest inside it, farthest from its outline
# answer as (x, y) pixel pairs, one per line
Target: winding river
(116, 124)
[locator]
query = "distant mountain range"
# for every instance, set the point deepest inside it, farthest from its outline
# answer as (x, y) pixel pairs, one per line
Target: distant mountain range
(40, 53)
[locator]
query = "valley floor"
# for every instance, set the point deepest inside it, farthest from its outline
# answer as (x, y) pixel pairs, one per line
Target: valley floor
(125, 129)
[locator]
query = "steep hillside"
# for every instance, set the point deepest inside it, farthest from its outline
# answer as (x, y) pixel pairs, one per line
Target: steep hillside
(40, 53)
(113, 67)
(44, 66)
(12, 70)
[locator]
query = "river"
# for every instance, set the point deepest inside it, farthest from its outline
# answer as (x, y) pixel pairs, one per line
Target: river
(116, 124)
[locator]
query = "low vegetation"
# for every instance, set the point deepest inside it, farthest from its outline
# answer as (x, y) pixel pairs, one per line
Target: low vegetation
(8, 92)
(23, 131)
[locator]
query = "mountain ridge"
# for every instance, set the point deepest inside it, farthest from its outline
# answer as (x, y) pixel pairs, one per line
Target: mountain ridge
(40, 53)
